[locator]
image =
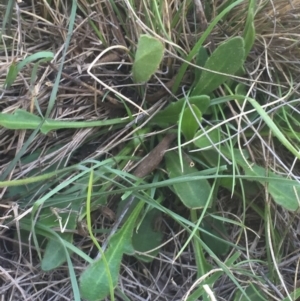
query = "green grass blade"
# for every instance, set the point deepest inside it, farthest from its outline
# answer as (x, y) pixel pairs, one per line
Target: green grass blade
(67, 43)
(199, 44)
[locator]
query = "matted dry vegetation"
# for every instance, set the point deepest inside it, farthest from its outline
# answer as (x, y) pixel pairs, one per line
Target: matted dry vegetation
(38, 26)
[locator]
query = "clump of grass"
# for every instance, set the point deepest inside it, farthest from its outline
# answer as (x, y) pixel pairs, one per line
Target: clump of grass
(219, 215)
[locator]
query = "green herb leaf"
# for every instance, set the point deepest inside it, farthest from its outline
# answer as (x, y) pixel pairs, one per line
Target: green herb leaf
(55, 254)
(170, 115)
(201, 59)
(148, 56)
(146, 237)
(95, 280)
(228, 58)
(193, 194)
(216, 228)
(208, 139)
(283, 193)
(190, 124)
(253, 292)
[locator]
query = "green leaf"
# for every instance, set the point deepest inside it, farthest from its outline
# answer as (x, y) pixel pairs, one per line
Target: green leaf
(274, 128)
(201, 59)
(215, 227)
(241, 89)
(294, 295)
(170, 115)
(146, 237)
(228, 58)
(23, 120)
(55, 254)
(208, 139)
(249, 31)
(284, 194)
(193, 194)
(45, 55)
(14, 68)
(253, 293)
(189, 124)
(205, 142)
(148, 56)
(95, 280)
(227, 183)
(58, 217)
(207, 32)
(34, 72)
(198, 292)
(11, 75)
(20, 120)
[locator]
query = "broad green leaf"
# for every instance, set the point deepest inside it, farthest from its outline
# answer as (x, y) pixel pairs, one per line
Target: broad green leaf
(20, 120)
(207, 32)
(216, 228)
(285, 193)
(228, 58)
(207, 140)
(94, 281)
(287, 196)
(170, 114)
(227, 183)
(148, 56)
(212, 158)
(189, 124)
(193, 194)
(121, 206)
(56, 215)
(55, 255)
(253, 292)
(146, 237)
(251, 189)
(201, 59)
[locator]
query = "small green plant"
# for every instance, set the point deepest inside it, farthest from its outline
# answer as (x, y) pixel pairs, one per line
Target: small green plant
(201, 135)
(195, 195)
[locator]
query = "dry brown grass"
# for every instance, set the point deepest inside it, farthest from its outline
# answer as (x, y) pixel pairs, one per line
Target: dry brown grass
(37, 26)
